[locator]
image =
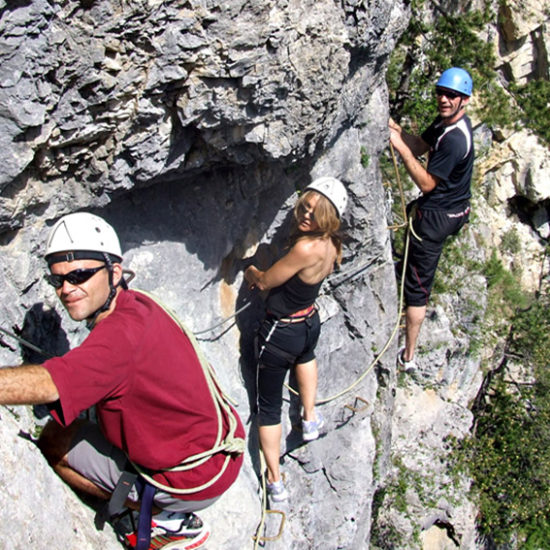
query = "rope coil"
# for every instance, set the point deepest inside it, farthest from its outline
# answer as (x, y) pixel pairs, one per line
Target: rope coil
(230, 444)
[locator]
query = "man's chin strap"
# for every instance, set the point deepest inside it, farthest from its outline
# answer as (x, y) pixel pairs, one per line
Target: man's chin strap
(90, 321)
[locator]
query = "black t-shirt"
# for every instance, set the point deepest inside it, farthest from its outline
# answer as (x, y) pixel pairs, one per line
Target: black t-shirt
(451, 159)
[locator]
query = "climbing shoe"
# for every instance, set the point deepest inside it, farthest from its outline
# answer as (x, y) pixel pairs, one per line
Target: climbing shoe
(310, 428)
(175, 531)
(277, 491)
(407, 365)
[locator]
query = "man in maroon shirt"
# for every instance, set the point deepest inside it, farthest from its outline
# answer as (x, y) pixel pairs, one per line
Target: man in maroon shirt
(155, 406)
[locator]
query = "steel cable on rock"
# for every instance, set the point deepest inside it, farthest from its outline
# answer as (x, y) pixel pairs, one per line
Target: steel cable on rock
(26, 343)
(355, 274)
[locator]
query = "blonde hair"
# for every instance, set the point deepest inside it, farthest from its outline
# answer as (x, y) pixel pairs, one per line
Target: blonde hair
(326, 218)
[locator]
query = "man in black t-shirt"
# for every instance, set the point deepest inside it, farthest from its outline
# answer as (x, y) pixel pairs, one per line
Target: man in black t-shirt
(444, 206)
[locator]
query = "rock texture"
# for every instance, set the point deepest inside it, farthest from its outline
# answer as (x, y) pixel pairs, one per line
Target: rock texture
(423, 502)
(189, 125)
(524, 40)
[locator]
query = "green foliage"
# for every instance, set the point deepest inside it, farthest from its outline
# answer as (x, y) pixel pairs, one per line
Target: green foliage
(426, 49)
(509, 454)
(510, 241)
(452, 40)
(511, 439)
(512, 444)
(506, 293)
(365, 158)
(531, 336)
(496, 106)
(394, 495)
(512, 436)
(534, 99)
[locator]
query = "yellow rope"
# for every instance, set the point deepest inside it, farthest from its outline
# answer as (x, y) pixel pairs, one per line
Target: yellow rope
(408, 222)
(257, 537)
(398, 178)
(387, 344)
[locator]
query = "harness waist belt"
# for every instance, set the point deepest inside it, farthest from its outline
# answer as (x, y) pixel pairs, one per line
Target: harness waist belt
(299, 316)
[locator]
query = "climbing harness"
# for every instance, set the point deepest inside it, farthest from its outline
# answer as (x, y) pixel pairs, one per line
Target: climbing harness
(386, 345)
(115, 508)
(146, 485)
(143, 479)
(409, 224)
(298, 316)
(410, 230)
(232, 444)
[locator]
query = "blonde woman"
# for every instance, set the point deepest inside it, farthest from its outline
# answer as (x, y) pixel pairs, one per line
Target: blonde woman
(290, 331)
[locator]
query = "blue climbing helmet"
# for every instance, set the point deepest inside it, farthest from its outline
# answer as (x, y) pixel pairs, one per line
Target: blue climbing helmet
(456, 79)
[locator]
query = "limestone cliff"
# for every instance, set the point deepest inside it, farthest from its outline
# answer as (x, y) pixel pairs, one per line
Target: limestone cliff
(423, 503)
(189, 125)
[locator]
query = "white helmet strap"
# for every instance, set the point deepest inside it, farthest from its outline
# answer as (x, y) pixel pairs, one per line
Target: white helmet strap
(112, 292)
(72, 255)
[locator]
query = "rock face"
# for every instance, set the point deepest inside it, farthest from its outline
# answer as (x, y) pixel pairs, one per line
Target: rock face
(189, 125)
(524, 40)
(101, 97)
(35, 505)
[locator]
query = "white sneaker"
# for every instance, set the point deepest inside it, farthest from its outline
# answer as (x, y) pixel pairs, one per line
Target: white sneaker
(407, 365)
(310, 428)
(277, 491)
(175, 531)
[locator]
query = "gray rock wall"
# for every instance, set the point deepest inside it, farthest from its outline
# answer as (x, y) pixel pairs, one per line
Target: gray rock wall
(189, 126)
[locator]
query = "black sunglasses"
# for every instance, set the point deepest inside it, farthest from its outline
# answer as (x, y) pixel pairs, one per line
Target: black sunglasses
(447, 93)
(76, 277)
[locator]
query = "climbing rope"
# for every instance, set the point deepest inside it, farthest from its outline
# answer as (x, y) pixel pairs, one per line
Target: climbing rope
(198, 459)
(410, 230)
(257, 537)
(408, 222)
(345, 276)
(386, 345)
(399, 185)
(223, 321)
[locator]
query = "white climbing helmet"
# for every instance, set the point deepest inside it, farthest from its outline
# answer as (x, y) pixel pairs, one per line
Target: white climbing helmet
(82, 236)
(333, 190)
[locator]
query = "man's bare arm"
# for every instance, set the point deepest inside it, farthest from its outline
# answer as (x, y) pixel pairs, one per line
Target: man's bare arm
(415, 143)
(425, 181)
(26, 385)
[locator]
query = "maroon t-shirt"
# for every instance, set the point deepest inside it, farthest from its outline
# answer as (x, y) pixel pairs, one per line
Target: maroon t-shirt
(151, 397)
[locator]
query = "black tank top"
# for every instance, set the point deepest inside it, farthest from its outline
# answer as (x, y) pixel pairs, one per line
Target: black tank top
(292, 296)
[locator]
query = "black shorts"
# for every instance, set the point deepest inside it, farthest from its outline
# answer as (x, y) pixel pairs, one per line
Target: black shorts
(433, 227)
(280, 346)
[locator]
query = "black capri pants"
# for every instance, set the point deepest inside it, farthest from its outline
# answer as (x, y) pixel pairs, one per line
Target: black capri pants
(433, 227)
(281, 345)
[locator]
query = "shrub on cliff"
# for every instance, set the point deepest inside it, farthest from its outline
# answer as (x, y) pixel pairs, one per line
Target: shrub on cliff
(509, 453)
